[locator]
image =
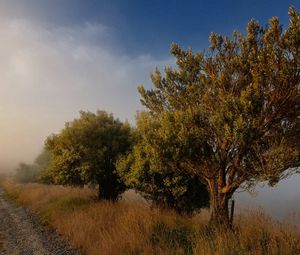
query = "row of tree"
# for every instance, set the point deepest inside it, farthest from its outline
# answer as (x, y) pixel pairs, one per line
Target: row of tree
(221, 120)
(98, 149)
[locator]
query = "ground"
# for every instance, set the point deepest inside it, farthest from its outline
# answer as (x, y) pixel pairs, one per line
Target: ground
(21, 233)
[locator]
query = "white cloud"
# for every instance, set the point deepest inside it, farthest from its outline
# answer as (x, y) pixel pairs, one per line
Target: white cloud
(48, 74)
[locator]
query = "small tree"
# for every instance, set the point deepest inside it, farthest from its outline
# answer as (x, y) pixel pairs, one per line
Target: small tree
(26, 173)
(86, 150)
(31, 172)
(231, 116)
(156, 181)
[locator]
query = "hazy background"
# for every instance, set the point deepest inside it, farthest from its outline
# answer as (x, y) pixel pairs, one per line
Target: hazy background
(61, 56)
(50, 72)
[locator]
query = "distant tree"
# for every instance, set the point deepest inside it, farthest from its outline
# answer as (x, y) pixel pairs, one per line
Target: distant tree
(231, 115)
(86, 150)
(31, 172)
(158, 182)
(42, 162)
(26, 173)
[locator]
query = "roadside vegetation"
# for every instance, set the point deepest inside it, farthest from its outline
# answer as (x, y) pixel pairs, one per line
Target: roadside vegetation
(129, 227)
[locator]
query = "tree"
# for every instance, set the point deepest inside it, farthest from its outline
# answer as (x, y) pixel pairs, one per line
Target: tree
(157, 182)
(86, 150)
(31, 172)
(26, 173)
(231, 115)
(42, 160)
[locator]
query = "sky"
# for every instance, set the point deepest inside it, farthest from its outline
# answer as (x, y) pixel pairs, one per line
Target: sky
(58, 57)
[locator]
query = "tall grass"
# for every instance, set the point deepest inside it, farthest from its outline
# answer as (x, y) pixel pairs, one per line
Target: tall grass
(133, 228)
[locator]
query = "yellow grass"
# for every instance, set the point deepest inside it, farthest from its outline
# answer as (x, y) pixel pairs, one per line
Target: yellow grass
(133, 228)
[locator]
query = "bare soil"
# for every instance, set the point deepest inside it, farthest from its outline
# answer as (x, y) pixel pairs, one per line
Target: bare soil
(21, 233)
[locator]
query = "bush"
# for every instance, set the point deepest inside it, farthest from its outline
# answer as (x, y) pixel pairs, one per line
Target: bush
(163, 187)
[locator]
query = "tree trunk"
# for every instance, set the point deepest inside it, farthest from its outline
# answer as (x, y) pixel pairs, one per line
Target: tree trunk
(220, 213)
(219, 208)
(99, 191)
(106, 190)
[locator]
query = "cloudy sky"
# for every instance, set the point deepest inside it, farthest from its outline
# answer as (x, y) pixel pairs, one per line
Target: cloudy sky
(58, 57)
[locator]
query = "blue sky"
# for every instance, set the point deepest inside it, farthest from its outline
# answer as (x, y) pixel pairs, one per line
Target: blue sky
(148, 27)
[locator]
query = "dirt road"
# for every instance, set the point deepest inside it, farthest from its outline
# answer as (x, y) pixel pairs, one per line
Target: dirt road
(21, 233)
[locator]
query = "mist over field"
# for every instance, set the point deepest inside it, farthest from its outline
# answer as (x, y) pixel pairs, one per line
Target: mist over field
(281, 201)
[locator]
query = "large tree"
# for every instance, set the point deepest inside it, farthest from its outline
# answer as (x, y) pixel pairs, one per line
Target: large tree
(231, 115)
(86, 150)
(156, 181)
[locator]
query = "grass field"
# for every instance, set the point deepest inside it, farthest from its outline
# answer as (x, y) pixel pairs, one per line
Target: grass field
(131, 227)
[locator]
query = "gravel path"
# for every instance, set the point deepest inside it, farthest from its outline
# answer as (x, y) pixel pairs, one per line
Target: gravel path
(21, 233)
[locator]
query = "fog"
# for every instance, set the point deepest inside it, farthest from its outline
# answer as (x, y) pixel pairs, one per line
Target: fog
(281, 201)
(48, 74)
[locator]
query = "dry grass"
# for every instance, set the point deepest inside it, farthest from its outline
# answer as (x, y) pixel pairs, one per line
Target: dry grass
(133, 228)
(256, 233)
(1, 243)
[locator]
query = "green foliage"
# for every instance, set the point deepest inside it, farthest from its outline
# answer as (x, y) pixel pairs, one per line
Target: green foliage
(42, 160)
(157, 181)
(232, 115)
(86, 150)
